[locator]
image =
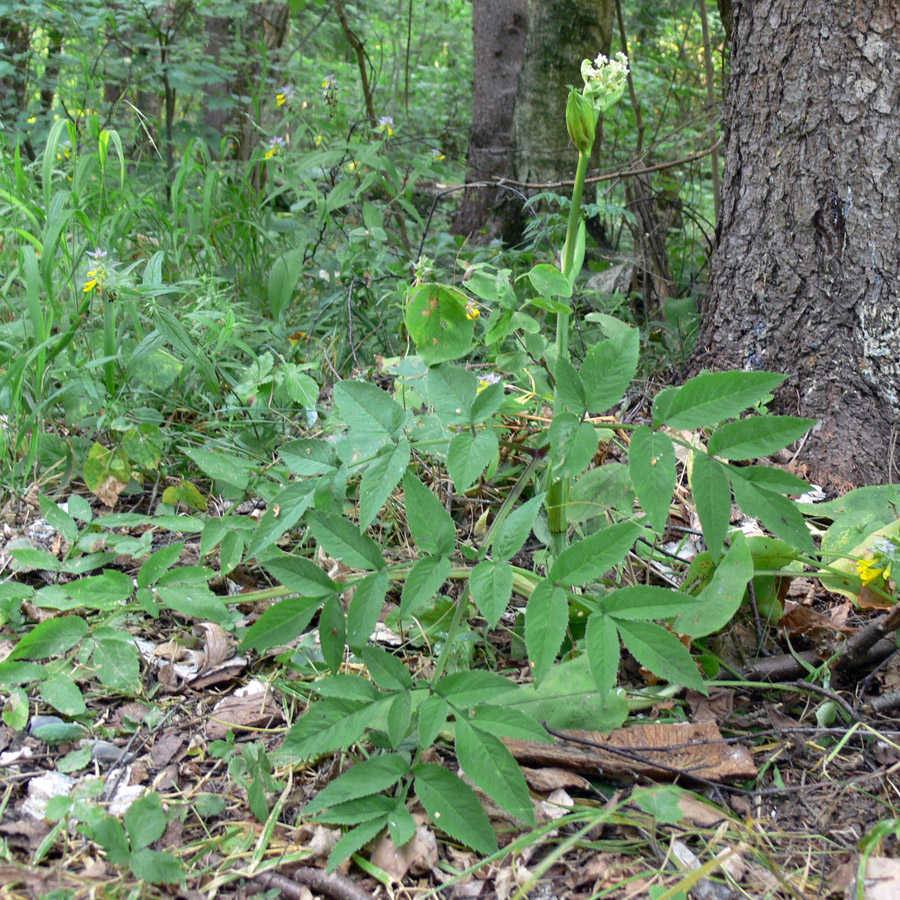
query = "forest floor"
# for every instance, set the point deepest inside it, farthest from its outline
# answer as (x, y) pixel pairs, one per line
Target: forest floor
(781, 787)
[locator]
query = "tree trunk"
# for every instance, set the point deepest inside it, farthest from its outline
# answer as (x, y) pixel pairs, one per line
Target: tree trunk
(561, 33)
(499, 29)
(805, 278)
(217, 101)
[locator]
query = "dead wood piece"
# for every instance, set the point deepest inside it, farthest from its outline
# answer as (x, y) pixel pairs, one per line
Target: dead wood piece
(854, 652)
(693, 749)
(332, 884)
(787, 667)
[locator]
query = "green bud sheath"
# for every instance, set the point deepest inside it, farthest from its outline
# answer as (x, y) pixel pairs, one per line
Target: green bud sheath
(581, 121)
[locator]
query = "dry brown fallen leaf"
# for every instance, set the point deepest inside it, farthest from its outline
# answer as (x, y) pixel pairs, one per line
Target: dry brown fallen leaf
(251, 706)
(661, 751)
(882, 879)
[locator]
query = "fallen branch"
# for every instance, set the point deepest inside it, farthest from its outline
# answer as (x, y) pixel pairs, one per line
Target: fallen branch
(331, 884)
(854, 653)
(790, 666)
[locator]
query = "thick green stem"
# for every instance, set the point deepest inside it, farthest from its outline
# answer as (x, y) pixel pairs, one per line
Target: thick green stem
(575, 213)
(558, 488)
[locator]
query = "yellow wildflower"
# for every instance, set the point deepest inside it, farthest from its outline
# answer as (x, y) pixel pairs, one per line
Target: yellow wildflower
(288, 92)
(871, 569)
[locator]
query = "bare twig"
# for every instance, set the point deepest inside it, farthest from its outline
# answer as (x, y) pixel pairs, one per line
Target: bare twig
(813, 688)
(358, 48)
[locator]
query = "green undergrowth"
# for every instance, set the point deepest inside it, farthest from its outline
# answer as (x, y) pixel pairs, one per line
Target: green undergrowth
(178, 348)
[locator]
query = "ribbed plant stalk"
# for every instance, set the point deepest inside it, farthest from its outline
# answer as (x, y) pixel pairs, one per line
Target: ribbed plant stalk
(558, 488)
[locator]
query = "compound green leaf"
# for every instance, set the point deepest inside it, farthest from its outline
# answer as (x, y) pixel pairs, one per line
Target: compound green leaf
(103, 592)
(602, 642)
(546, 617)
(609, 369)
(661, 652)
(548, 281)
(309, 457)
(222, 466)
(354, 840)
(371, 776)
(281, 623)
(63, 695)
(646, 601)
(364, 809)
(712, 397)
(401, 824)
(712, 498)
(570, 388)
(156, 866)
(488, 400)
(158, 563)
(284, 512)
(507, 721)
(424, 580)
(572, 444)
(52, 637)
(329, 725)
(454, 808)
(432, 717)
(368, 411)
(195, 600)
(515, 528)
(485, 759)
(465, 689)
(380, 478)
(332, 632)
(721, 598)
(586, 560)
(365, 608)
(491, 583)
(469, 455)
(342, 540)
(386, 670)
(117, 660)
(145, 821)
(757, 436)
(651, 463)
(429, 522)
(776, 512)
(452, 391)
(774, 479)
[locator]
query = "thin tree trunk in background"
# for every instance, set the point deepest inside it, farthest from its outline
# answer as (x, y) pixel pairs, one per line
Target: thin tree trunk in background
(499, 30)
(15, 42)
(217, 94)
(561, 33)
(805, 278)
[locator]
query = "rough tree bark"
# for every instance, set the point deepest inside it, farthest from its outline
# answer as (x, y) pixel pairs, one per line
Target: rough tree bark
(806, 277)
(498, 40)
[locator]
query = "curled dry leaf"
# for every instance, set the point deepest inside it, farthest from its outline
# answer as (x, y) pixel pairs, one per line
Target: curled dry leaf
(419, 855)
(216, 648)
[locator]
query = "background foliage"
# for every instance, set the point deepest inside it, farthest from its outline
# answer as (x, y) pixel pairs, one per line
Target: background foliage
(228, 273)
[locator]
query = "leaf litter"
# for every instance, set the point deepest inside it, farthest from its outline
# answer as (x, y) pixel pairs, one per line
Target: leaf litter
(766, 797)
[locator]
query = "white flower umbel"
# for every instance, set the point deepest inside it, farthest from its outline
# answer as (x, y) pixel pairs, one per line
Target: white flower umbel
(604, 79)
